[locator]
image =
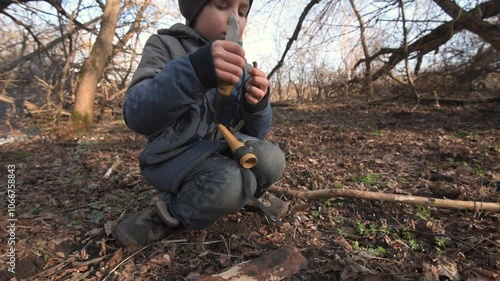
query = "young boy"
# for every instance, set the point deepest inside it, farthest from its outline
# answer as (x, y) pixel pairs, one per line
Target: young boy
(173, 100)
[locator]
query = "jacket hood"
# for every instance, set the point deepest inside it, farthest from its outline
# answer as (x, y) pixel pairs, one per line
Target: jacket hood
(180, 30)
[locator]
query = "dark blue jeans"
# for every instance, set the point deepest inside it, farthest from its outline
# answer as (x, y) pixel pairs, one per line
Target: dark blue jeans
(214, 187)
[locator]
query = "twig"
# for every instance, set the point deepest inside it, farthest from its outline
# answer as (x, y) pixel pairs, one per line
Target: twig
(396, 198)
(89, 262)
(68, 210)
(54, 269)
(227, 246)
(124, 261)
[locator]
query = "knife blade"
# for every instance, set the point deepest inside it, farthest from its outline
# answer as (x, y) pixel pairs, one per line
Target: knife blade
(233, 29)
(233, 35)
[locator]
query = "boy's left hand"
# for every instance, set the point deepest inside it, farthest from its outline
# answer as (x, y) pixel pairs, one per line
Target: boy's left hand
(256, 86)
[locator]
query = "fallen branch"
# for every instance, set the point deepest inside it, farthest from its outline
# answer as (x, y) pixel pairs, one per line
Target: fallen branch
(30, 106)
(461, 101)
(275, 265)
(397, 198)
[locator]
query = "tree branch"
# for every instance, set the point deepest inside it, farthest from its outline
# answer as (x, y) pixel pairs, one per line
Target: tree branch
(431, 41)
(18, 22)
(487, 31)
(11, 65)
(294, 37)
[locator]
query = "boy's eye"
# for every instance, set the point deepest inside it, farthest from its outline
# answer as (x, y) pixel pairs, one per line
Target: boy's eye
(221, 5)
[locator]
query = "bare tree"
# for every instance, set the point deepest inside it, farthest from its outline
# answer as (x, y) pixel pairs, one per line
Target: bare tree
(366, 52)
(294, 37)
(437, 37)
(405, 51)
(93, 68)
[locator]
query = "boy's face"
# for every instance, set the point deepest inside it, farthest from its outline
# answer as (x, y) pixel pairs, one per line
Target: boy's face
(211, 23)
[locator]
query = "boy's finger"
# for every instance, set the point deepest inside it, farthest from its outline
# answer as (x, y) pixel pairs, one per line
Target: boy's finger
(255, 92)
(234, 48)
(256, 72)
(235, 60)
(251, 99)
(260, 82)
(227, 77)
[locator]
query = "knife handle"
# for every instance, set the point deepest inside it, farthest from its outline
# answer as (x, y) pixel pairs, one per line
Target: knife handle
(224, 89)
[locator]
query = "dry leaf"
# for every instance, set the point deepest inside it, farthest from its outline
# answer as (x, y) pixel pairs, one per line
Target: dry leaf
(430, 272)
(224, 259)
(354, 271)
(116, 258)
(483, 275)
(448, 269)
(341, 240)
(109, 227)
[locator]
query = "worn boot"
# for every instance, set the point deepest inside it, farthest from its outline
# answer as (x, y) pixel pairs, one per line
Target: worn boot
(143, 228)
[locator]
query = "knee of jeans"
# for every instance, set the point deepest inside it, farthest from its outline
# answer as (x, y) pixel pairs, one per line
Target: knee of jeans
(271, 161)
(223, 191)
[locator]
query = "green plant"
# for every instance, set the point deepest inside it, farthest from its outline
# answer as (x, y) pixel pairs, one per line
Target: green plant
(42, 253)
(361, 227)
(342, 232)
(337, 185)
(367, 180)
(379, 251)
(442, 242)
(21, 154)
(479, 171)
(410, 239)
(424, 213)
(336, 220)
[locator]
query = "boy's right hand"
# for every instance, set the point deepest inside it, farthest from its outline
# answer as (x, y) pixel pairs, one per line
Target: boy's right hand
(229, 61)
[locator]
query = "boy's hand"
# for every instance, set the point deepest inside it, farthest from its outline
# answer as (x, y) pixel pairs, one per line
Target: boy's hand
(229, 61)
(256, 86)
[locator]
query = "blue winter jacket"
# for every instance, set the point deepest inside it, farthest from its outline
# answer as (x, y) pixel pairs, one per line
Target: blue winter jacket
(167, 101)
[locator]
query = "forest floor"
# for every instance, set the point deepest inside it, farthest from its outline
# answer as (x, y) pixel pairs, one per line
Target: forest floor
(64, 201)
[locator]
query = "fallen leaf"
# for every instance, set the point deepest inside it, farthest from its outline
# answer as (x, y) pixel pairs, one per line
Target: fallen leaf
(354, 271)
(430, 272)
(109, 227)
(224, 259)
(116, 258)
(341, 240)
(448, 269)
(480, 274)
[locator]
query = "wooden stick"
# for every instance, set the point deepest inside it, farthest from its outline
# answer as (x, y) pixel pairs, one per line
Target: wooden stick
(397, 198)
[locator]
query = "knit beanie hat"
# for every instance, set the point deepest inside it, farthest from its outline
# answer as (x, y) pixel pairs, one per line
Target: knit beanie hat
(191, 8)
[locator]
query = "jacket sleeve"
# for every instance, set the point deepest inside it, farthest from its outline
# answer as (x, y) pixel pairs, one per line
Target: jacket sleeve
(258, 117)
(162, 88)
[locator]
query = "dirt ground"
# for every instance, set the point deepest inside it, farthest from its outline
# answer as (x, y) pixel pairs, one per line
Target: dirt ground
(64, 201)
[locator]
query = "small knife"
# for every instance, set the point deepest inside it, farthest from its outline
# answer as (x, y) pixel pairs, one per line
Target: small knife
(233, 35)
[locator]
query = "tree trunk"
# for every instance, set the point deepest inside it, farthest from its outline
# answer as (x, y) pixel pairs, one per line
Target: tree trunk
(93, 68)
(366, 52)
